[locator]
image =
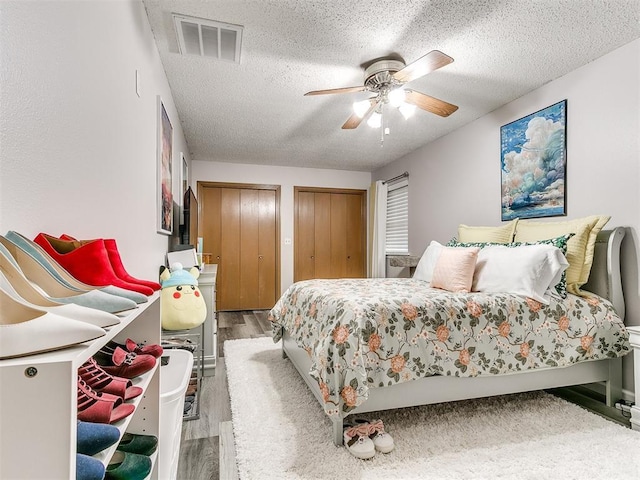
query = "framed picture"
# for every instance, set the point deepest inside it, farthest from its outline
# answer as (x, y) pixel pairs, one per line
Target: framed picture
(533, 163)
(185, 177)
(164, 169)
(184, 184)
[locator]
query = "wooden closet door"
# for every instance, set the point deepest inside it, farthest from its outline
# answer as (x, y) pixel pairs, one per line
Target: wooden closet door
(355, 248)
(210, 229)
(329, 233)
(267, 250)
(338, 235)
(305, 236)
(249, 246)
(240, 228)
(322, 236)
(230, 285)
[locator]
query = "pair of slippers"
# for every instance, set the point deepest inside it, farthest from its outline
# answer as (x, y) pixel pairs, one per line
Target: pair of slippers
(362, 438)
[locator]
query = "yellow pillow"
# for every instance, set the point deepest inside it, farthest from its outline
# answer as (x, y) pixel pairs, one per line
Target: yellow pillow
(502, 234)
(580, 247)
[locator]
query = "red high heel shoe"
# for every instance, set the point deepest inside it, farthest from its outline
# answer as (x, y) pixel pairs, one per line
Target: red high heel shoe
(116, 263)
(88, 262)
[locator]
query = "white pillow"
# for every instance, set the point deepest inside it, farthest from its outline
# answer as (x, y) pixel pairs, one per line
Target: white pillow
(529, 270)
(424, 269)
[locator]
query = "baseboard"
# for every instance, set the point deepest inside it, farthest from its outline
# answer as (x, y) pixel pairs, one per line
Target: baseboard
(593, 401)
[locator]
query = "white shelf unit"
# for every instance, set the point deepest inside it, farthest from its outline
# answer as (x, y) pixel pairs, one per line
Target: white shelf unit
(38, 402)
(207, 285)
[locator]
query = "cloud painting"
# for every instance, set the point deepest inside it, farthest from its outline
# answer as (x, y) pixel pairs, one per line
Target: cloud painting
(533, 163)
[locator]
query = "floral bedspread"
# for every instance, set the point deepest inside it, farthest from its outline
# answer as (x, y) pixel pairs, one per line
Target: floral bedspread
(365, 333)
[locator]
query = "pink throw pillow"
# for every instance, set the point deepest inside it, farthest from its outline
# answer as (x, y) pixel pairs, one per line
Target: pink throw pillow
(454, 269)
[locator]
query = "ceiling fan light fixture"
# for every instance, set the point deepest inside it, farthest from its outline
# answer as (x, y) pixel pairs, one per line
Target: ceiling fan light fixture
(407, 110)
(361, 108)
(375, 120)
(396, 97)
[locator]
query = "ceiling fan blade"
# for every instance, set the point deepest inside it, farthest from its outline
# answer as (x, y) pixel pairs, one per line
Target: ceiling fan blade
(430, 104)
(428, 63)
(336, 90)
(354, 120)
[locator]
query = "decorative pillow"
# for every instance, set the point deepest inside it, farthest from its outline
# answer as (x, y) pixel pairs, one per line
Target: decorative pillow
(502, 234)
(559, 242)
(580, 248)
(424, 269)
(454, 269)
(528, 270)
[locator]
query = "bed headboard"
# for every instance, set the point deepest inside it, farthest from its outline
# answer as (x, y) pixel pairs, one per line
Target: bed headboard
(605, 278)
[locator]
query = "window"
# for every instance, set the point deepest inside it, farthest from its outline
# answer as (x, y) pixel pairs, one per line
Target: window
(398, 218)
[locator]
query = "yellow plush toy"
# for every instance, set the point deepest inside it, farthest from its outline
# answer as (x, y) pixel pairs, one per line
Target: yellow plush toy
(181, 304)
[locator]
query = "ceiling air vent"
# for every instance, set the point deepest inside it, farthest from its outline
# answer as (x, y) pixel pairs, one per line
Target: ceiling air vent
(208, 38)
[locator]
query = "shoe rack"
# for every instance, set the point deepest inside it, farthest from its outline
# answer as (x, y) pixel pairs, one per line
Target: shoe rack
(38, 402)
(194, 342)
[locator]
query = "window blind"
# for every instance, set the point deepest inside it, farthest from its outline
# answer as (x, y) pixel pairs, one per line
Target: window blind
(398, 218)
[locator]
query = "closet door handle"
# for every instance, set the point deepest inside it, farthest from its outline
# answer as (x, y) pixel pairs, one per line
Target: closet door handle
(260, 257)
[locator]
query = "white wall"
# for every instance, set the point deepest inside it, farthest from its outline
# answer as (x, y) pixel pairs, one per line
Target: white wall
(287, 178)
(456, 179)
(77, 145)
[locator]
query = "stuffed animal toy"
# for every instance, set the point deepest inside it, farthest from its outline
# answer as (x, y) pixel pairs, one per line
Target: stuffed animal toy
(182, 305)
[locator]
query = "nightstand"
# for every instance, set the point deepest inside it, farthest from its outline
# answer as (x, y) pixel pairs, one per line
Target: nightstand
(634, 339)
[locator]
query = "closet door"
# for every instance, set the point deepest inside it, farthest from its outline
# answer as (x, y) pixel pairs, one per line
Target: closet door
(329, 233)
(305, 242)
(240, 228)
(322, 253)
(356, 237)
(230, 246)
(338, 235)
(267, 249)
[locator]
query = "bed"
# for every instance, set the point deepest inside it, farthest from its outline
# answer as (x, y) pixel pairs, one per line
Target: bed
(365, 345)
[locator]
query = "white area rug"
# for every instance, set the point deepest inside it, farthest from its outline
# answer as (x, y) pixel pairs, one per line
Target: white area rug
(281, 432)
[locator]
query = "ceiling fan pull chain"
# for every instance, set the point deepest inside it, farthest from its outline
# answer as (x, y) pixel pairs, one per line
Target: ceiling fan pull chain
(382, 125)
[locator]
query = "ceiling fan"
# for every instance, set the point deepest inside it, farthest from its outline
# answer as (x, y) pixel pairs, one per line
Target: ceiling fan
(385, 78)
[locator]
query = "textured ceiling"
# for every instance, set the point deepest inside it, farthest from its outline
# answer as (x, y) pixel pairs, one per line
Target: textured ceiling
(255, 112)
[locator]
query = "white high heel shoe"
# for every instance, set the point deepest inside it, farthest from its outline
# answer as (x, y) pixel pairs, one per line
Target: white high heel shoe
(15, 284)
(69, 310)
(27, 331)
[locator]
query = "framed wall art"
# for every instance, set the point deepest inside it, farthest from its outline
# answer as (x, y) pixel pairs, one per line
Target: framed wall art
(184, 183)
(164, 170)
(533, 162)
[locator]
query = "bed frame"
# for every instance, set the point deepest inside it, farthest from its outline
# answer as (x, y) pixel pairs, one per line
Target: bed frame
(604, 280)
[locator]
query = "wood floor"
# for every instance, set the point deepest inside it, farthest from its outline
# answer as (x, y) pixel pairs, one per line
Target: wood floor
(200, 451)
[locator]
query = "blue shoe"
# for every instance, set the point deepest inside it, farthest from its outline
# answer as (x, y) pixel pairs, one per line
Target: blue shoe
(88, 468)
(95, 437)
